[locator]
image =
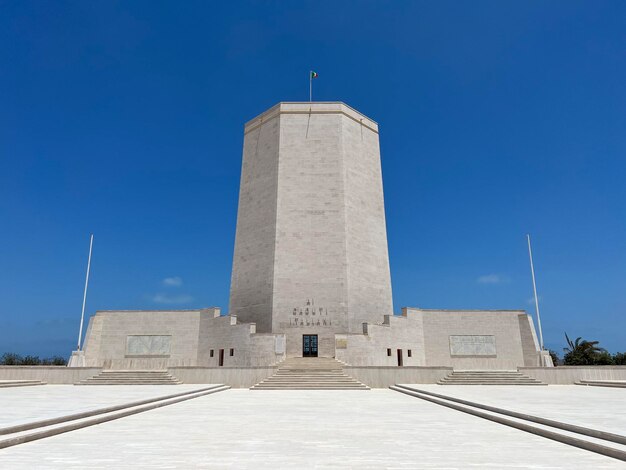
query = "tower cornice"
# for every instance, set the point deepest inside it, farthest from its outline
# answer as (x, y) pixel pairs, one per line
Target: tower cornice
(305, 107)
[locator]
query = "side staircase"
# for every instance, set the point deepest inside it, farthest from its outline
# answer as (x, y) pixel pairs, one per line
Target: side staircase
(488, 377)
(602, 383)
(20, 383)
(315, 373)
(131, 377)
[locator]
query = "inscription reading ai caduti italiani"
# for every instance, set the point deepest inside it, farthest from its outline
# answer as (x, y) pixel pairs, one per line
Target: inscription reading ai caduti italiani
(310, 315)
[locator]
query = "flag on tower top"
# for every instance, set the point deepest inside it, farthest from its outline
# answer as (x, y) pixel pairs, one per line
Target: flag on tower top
(312, 75)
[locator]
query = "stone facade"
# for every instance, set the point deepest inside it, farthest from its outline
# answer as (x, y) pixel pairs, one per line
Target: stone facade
(311, 243)
(462, 339)
(143, 339)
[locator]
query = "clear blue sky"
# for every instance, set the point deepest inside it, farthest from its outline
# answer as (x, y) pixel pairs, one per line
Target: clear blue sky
(497, 118)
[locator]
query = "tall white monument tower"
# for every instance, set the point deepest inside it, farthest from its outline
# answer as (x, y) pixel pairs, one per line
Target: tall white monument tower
(311, 270)
(311, 256)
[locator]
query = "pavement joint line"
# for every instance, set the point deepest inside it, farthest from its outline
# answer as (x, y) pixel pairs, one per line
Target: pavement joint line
(163, 401)
(595, 433)
(555, 436)
(87, 414)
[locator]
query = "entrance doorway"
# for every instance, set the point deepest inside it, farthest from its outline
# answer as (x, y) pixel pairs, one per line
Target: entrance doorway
(221, 357)
(399, 357)
(309, 345)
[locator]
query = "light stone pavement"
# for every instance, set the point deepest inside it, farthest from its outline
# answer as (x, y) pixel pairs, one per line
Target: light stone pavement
(26, 404)
(599, 408)
(304, 429)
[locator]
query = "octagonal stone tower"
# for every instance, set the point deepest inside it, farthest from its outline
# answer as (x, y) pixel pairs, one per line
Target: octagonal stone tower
(311, 252)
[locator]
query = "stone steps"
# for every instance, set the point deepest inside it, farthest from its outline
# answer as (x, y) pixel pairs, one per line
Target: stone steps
(499, 377)
(603, 383)
(303, 373)
(310, 374)
(326, 387)
(131, 377)
(343, 378)
(20, 383)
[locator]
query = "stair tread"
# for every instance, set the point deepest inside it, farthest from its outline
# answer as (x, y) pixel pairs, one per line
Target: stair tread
(310, 374)
(131, 377)
(488, 377)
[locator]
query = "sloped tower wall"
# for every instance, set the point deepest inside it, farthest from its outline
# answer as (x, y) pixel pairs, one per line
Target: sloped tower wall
(311, 244)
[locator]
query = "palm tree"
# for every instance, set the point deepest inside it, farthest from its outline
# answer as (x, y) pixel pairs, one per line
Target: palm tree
(581, 351)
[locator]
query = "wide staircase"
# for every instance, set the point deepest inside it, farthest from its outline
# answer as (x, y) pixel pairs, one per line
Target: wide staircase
(131, 377)
(488, 377)
(310, 373)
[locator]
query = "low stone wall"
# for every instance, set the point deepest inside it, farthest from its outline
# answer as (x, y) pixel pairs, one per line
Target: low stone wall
(385, 376)
(567, 375)
(48, 374)
(375, 377)
(236, 377)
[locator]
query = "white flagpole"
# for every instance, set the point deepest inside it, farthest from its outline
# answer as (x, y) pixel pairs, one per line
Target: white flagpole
(82, 315)
(532, 271)
(310, 86)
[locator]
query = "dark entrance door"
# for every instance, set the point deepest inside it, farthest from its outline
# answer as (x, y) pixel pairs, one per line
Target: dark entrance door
(399, 357)
(309, 345)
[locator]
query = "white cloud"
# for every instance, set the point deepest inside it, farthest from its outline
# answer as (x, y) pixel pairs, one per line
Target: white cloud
(531, 300)
(171, 299)
(492, 279)
(172, 281)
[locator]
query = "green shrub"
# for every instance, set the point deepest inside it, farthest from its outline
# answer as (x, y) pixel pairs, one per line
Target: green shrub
(57, 361)
(619, 359)
(555, 357)
(31, 361)
(10, 359)
(587, 353)
(603, 359)
(581, 352)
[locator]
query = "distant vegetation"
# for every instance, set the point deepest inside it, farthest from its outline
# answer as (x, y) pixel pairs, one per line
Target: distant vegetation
(11, 359)
(581, 352)
(556, 360)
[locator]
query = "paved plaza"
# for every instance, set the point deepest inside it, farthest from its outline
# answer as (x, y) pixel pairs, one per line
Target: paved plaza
(594, 407)
(26, 404)
(308, 429)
